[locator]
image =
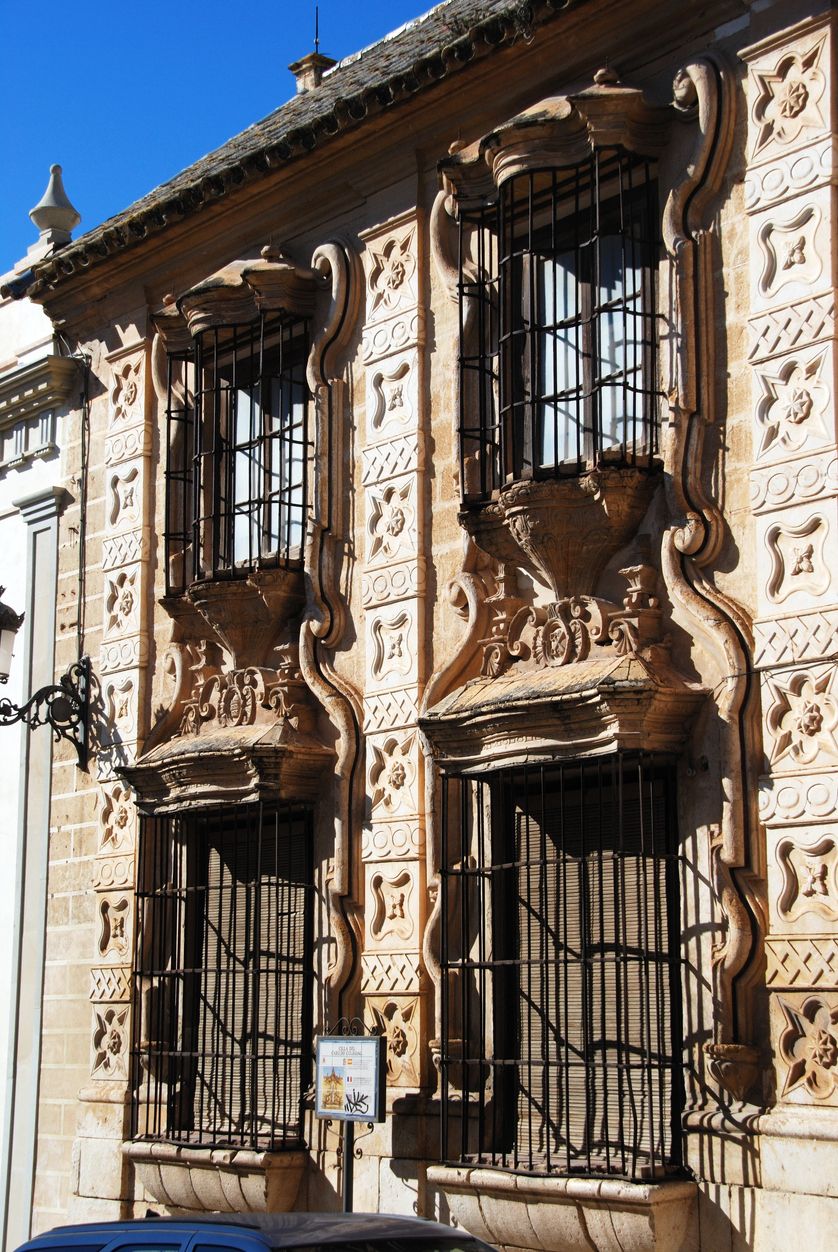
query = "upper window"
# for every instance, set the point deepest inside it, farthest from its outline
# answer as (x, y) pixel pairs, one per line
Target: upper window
(238, 442)
(223, 997)
(558, 356)
(561, 988)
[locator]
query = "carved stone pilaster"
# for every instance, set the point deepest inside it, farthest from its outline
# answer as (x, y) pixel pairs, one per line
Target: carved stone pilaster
(393, 979)
(791, 113)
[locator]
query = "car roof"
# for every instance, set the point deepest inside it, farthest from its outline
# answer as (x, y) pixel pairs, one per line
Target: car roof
(299, 1228)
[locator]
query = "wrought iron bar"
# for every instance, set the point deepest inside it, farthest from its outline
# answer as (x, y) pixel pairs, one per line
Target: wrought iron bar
(559, 324)
(221, 1051)
(561, 1049)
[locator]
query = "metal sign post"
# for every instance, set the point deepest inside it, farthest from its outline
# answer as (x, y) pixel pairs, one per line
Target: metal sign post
(350, 1088)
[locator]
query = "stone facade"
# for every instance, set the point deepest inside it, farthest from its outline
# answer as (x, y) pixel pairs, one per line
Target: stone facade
(419, 634)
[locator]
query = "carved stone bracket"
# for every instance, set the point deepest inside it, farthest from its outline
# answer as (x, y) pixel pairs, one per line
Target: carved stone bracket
(538, 524)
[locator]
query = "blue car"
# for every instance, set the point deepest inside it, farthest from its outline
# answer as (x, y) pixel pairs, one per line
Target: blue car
(308, 1232)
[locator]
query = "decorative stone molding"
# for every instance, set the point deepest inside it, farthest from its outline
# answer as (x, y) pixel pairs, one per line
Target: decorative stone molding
(110, 872)
(788, 101)
(797, 637)
(626, 702)
(808, 1047)
(392, 841)
(809, 876)
(237, 294)
(790, 223)
(556, 1214)
(110, 983)
(798, 559)
(219, 1180)
(115, 918)
(393, 588)
(403, 581)
(111, 1043)
(390, 709)
(789, 800)
(790, 251)
(792, 327)
(390, 972)
(792, 412)
(787, 176)
(126, 394)
(126, 549)
(124, 445)
(271, 763)
(397, 1019)
(117, 819)
(559, 132)
(323, 623)
(784, 486)
(45, 384)
(394, 775)
(811, 961)
(398, 456)
(802, 720)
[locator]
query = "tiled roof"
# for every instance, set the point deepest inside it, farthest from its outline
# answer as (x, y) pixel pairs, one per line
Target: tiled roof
(412, 59)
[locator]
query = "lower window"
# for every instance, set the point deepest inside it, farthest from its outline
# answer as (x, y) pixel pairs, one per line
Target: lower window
(221, 1050)
(560, 951)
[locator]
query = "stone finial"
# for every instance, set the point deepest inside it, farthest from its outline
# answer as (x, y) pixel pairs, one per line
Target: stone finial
(54, 215)
(606, 76)
(309, 70)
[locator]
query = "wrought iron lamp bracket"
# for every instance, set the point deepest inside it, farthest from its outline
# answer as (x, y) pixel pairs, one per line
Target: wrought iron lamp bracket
(64, 707)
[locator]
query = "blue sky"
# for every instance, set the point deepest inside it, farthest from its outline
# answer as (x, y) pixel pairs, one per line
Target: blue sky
(123, 96)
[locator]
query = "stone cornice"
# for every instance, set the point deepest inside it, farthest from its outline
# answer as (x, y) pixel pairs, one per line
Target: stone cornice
(595, 706)
(45, 384)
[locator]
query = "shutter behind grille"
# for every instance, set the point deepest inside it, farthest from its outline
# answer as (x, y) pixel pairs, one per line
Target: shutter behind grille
(222, 1025)
(594, 1022)
(250, 1008)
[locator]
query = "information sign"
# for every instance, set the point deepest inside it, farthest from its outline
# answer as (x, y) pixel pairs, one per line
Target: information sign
(350, 1077)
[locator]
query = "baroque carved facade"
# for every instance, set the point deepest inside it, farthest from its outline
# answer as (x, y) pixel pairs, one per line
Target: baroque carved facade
(461, 591)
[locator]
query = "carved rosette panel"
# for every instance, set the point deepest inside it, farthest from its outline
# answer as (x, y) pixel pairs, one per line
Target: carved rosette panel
(805, 1030)
(393, 588)
(122, 665)
(793, 488)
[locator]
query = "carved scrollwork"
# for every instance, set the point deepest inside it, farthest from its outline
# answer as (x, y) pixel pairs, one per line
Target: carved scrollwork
(565, 631)
(241, 697)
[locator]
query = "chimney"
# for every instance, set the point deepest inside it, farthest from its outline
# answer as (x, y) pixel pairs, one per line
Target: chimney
(309, 70)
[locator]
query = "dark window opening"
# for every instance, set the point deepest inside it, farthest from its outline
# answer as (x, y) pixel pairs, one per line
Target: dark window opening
(558, 333)
(221, 1050)
(561, 969)
(238, 443)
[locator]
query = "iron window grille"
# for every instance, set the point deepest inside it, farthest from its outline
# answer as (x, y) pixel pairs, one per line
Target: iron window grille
(238, 451)
(558, 324)
(560, 941)
(221, 1048)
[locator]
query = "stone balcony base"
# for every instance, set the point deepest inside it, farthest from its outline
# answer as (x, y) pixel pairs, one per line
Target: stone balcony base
(220, 1180)
(570, 1214)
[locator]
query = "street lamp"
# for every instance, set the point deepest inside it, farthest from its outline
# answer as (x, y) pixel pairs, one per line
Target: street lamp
(65, 707)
